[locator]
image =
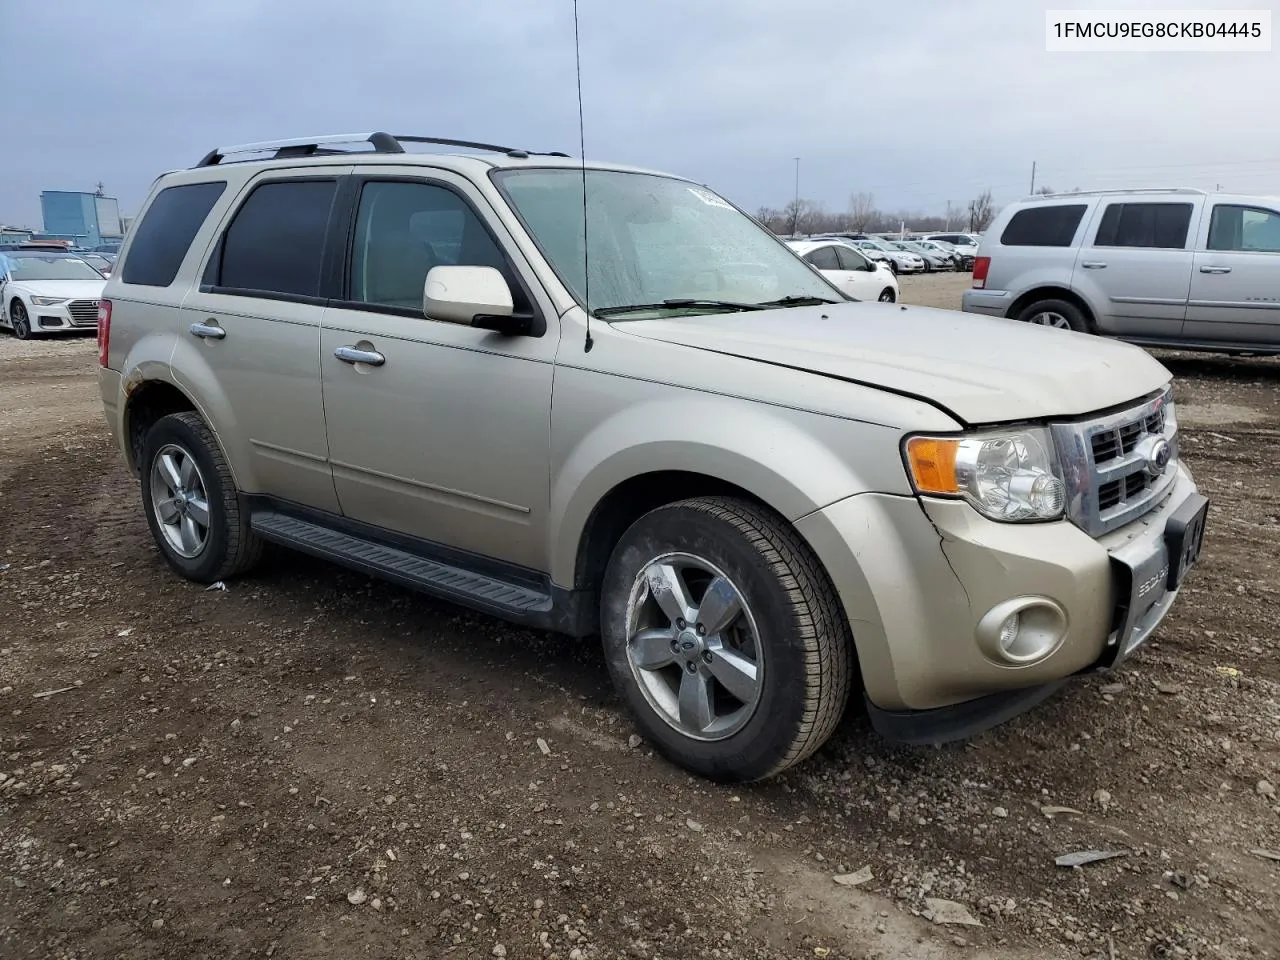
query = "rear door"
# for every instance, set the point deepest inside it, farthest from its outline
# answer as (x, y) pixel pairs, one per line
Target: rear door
(1235, 286)
(249, 346)
(1134, 265)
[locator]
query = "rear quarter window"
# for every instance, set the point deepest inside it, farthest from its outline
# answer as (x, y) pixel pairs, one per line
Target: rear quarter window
(161, 239)
(1044, 226)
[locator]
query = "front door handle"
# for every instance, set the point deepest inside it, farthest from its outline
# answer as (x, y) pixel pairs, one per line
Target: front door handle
(208, 330)
(1093, 265)
(1207, 268)
(354, 355)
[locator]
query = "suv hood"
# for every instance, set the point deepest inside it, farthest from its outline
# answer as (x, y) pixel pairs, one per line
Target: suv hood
(981, 369)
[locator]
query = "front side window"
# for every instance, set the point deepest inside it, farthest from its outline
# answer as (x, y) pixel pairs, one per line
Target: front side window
(403, 229)
(851, 259)
(161, 238)
(1154, 225)
(651, 238)
(1047, 225)
(276, 241)
(1244, 229)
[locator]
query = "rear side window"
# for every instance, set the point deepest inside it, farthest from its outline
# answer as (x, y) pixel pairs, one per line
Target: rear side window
(275, 242)
(824, 258)
(1044, 226)
(1162, 225)
(161, 239)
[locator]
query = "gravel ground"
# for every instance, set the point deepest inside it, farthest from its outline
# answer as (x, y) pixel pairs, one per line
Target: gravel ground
(311, 764)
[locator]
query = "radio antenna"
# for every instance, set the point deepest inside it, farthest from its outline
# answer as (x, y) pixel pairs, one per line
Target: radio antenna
(582, 149)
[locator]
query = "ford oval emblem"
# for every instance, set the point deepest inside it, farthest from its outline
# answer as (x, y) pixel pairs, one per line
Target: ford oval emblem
(1158, 457)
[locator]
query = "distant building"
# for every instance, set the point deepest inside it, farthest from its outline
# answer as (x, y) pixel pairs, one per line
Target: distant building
(12, 236)
(88, 219)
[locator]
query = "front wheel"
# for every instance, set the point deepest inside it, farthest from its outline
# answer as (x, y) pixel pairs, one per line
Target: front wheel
(725, 638)
(20, 320)
(1058, 314)
(191, 502)
(887, 295)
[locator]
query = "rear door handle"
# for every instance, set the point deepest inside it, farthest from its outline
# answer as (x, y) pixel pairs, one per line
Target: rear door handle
(1093, 265)
(207, 330)
(354, 355)
(1206, 268)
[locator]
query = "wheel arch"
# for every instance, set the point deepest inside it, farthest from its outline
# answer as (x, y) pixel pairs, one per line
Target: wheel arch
(1053, 292)
(146, 402)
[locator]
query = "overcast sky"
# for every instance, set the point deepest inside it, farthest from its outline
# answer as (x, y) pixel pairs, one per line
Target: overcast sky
(920, 102)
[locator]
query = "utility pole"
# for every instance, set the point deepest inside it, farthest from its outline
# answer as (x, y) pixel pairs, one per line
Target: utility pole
(1033, 176)
(795, 207)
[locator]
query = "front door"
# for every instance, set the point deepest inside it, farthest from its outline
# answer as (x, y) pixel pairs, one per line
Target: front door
(1135, 265)
(447, 439)
(1235, 287)
(858, 276)
(248, 348)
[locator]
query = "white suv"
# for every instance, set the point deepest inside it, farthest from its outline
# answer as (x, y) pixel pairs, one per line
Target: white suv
(1172, 268)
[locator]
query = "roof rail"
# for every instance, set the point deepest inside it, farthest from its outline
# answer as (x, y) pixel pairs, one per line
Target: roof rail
(382, 143)
(1186, 191)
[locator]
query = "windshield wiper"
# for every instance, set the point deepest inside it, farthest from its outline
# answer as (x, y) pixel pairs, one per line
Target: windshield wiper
(795, 301)
(676, 303)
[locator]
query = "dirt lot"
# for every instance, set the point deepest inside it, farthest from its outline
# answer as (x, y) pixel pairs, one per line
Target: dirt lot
(314, 765)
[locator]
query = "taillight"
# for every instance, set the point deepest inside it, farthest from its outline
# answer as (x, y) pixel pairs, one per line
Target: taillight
(104, 331)
(980, 267)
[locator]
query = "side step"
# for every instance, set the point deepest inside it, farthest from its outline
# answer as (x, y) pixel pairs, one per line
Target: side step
(504, 599)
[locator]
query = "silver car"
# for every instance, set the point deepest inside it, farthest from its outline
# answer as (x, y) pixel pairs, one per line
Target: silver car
(1171, 268)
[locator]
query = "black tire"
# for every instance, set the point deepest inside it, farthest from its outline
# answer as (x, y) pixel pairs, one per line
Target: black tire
(1068, 312)
(20, 321)
(800, 625)
(887, 295)
(230, 547)
(893, 265)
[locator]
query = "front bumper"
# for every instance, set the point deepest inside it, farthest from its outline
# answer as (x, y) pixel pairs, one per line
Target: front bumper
(61, 317)
(917, 576)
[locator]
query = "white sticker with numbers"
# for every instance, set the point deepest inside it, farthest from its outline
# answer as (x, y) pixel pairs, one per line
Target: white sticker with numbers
(709, 198)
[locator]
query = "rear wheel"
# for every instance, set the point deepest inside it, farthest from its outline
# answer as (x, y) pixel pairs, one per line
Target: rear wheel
(191, 502)
(1059, 314)
(887, 295)
(725, 638)
(20, 321)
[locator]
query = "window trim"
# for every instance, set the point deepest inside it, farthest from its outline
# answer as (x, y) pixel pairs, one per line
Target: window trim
(1104, 209)
(214, 259)
(1239, 206)
(344, 254)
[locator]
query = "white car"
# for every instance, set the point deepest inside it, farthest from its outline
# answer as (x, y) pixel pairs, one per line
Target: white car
(900, 260)
(845, 266)
(45, 291)
(963, 243)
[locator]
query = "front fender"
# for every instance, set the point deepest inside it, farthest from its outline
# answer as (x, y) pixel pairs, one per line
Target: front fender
(796, 462)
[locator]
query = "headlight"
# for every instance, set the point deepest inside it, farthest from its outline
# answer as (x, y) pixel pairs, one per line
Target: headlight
(1011, 475)
(48, 301)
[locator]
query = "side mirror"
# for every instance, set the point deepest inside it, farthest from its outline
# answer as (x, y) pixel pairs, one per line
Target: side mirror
(473, 297)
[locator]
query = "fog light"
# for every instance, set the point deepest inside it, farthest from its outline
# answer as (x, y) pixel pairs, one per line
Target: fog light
(1022, 631)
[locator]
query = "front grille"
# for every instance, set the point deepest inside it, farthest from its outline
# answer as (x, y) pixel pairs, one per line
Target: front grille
(84, 313)
(1110, 463)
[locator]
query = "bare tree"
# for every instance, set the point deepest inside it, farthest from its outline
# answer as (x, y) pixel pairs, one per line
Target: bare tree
(862, 211)
(1044, 191)
(802, 216)
(980, 211)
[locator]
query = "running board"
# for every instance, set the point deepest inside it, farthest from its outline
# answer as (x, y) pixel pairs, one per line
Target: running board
(499, 597)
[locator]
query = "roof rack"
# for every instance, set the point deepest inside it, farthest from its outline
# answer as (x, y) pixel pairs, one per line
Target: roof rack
(381, 142)
(1186, 191)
